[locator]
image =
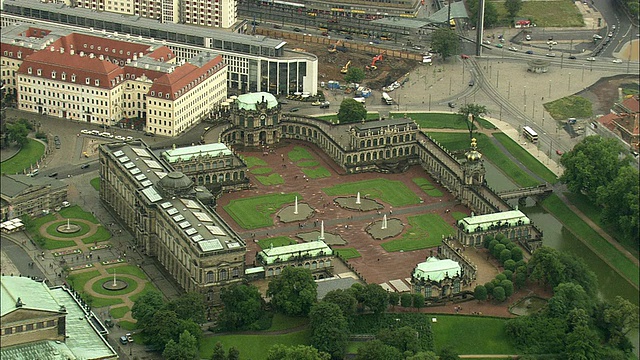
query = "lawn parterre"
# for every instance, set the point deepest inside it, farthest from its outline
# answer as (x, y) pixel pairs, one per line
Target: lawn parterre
(395, 193)
(334, 118)
(458, 215)
(273, 179)
(544, 13)
(257, 211)
(316, 173)
(308, 163)
(119, 312)
(427, 187)
(570, 106)
(53, 229)
(482, 335)
(261, 170)
(132, 286)
(275, 242)
(425, 232)
(95, 182)
(76, 212)
(27, 156)
(101, 234)
(347, 253)
(253, 161)
(437, 120)
(299, 153)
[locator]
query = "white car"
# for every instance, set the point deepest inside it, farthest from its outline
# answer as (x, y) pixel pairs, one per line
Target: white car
(84, 131)
(551, 42)
(512, 48)
(591, 58)
(119, 137)
(610, 34)
(597, 37)
(617, 61)
(551, 55)
(527, 37)
(95, 132)
(107, 135)
(129, 138)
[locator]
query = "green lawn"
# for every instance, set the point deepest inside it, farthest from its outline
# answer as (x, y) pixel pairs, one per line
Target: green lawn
(257, 211)
(395, 193)
(276, 241)
(593, 212)
(283, 322)
(119, 312)
(347, 253)
(252, 161)
(425, 231)
(459, 141)
(427, 187)
(437, 120)
(259, 347)
(482, 335)
(459, 215)
(316, 173)
(273, 179)
(99, 302)
(545, 13)
(261, 170)
(486, 124)
(584, 232)
(27, 156)
(77, 280)
(53, 229)
(55, 244)
(76, 212)
(570, 106)
(128, 325)
(127, 269)
(299, 153)
(102, 234)
(97, 286)
(95, 182)
(308, 163)
(526, 158)
(147, 288)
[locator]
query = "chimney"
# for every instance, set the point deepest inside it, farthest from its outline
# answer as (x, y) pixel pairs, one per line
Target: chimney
(101, 57)
(135, 56)
(91, 56)
(146, 66)
(61, 50)
(72, 52)
(140, 54)
(52, 49)
(81, 53)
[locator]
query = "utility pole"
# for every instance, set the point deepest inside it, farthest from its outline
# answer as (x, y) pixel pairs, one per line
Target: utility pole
(480, 28)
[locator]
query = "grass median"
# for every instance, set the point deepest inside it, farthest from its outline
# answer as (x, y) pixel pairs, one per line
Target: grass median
(27, 156)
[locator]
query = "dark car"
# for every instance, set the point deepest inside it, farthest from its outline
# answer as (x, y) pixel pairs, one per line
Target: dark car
(472, 82)
(349, 37)
(572, 57)
(295, 109)
(84, 166)
(277, 26)
(297, 29)
(528, 52)
(52, 175)
(451, 104)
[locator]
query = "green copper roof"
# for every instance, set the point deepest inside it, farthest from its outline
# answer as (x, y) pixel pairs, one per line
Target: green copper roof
(436, 270)
(284, 253)
(248, 101)
(33, 295)
(186, 153)
(483, 222)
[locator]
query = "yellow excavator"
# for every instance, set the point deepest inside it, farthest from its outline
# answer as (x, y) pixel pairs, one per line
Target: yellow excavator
(345, 68)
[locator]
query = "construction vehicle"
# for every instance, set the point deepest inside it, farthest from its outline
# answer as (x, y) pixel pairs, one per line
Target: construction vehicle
(373, 62)
(345, 68)
(337, 46)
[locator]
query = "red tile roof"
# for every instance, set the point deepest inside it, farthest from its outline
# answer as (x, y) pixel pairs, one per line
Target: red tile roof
(13, 50)
(83, 67)
(36, 32)
(632, 104)
(185, 77)
(608, 120)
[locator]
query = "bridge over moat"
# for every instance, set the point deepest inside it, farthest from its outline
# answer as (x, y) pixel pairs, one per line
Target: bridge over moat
(539, 191)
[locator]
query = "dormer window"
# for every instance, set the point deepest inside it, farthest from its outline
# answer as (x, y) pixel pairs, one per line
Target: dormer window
(29, 71)
(73, 78)
(39, 72)
(153, 93)
(53, 74)
(97, 82)
(167, 96)
(19, 54)
(87, 81)
(63, 76)
(159, 93)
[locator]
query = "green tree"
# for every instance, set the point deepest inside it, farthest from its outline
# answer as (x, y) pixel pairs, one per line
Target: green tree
(499, 294)
(445, 42)
(520, 280)
(537, 333)
(489, 286)
(243, 306)
(189, 306)
(145, 307)
(516, 254)
(329, 329)
(351, 111)
(297, 352)
(497, 250)
(233, 354)
(161, 328)
(593, 162)
(618, 318)
(510, 264)
(545, 266)
(512, 7)
(17, 133)
(354, 75)
(508, 274)
(471, 112)
(293, 292)
(487, 240)
(423, 355)
(375, 298)
(577, 271)
(405, 300)
(377, 350)
(218, 352)
(620, 204)
(185, 349)
(394, 298)
(567, 297)
(403, 339)
(448, 353)
(345, 299)
(505, 255)
(418, 301)
(480, 293)
(507, 285)
(490, 13)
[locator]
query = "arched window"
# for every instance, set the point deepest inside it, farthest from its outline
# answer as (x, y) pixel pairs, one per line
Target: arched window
(210, 278)
(224, 275)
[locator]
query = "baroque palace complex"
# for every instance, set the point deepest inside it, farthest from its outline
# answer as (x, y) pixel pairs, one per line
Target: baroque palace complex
(103, 68)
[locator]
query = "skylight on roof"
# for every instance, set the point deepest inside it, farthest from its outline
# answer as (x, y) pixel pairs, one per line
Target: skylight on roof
(216, 230)
(134, 171)
(141, 177)
(172, 211)
(123, 159)
(153, 164)
(151, 194)
(197, 238)
(178, 217)
(203, 217)
(141, 152)
(190, 203)
(210, 245)
(129, 165)
(233, 245)
(160, 174)
(184, 224)
(146, 183)
(118, 153)
(191, 231)
(165, 204)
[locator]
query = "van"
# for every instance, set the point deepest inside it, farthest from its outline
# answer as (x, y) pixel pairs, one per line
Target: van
(66, 204)
(571, 121)
(35, 172)
(123, 340)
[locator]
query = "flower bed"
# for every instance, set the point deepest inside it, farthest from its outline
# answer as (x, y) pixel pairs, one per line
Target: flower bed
(99, 247)
(80, 267)
(67, 252)
(114, 261)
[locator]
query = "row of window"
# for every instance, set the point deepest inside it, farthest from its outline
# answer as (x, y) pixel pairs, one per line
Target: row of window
(28, 327)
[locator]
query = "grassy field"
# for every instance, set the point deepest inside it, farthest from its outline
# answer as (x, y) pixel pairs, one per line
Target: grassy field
(584, 232)
(147, 287)
(275, 241)
(252, 161)
(481, 335)
(259, 343)
(256, 212)
(427, 187)
(593, 212)
(308, 163)
(102, 234)
(570, 106)
(347, 253)
(459, 141)
(283, 322)
(425, 231)
(299, 153)
(127, 269)
(334, 118)
(119, 312)
(27, 156)
(526, 158)
(437, 120)
(273, 179)
(545, 13)
(458, 215)
(52, 229)
(76, 212)
(394, 193)
(486, 124)
(316, 173)
(261, 170)
(97, 286)
(95, 182)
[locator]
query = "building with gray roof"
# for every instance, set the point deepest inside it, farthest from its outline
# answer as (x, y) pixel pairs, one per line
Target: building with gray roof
(26, 195)
(45, 323)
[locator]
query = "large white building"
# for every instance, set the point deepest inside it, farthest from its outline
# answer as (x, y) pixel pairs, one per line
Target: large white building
(98, 79)
(255, 63)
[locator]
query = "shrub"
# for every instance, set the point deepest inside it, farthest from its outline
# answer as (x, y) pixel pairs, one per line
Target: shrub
(505, 255)
(405, 300)
(510, 264)
(499, 294)
(480, 292)
(508, 274)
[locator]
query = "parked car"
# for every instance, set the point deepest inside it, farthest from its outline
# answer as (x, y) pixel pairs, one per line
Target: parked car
(84, 166)
(129, 138)
(349, 37)
(84, 131)
(129, 337)
(119, 137)
(513, 48)
(276, 26)
(529, 52)
(65, 204)
(297, 30)
(123, 340)
(52, 175)
(550, 55)
(591, 58)
(499, 46)
(617, 61)
(572, 57)
(597, 37)
(451, 104)
(472, 82)
(316, 103)
(527, 37)
(325, 105)
(610, 34)
(295, 109)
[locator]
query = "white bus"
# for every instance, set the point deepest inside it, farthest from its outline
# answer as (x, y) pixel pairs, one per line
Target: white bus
(387, 99)
(530, 134)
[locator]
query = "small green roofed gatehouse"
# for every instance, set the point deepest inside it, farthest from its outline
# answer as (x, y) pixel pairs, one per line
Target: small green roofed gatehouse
(255, 121)
(316, 256)
(437, 278)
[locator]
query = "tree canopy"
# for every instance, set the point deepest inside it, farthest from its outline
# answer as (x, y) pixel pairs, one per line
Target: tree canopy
(298, 352)
(17, 132)
(243, 307)
(513, 6)
(185, 349)
(293, 292)
(445, 42)
(351, 111)
(329, 329)
(490, 13)
(619, 200)
(354, 75)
